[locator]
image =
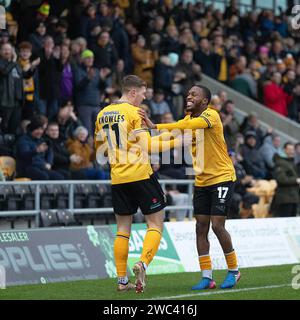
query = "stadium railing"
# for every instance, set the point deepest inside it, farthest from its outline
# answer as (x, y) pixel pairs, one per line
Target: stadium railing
(71, 191)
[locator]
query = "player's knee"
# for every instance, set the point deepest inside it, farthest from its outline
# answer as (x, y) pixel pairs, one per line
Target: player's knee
(218, 228)
(201, 229)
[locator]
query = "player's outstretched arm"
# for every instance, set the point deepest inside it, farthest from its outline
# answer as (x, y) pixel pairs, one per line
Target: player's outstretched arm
(158, 143)
(193, 124)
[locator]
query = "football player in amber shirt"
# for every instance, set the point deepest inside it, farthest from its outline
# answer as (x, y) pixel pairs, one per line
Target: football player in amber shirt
(214, 182)
(119, 133)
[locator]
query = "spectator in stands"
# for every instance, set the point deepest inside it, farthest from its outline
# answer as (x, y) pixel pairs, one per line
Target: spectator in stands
(120, 39)
(11, 84)
(216, 102)
(85, 156)
(38, 36)
(251, 123)
(252, 160)
(68, 122)
(89, 21)
(222, 94)
(67, 76)
(143, 60)
(207, 59)
(222, 56)
(270, 147)
(170, 41)
(29, 85)
(230, 124)
(164, 74)
(158, 105)
(49, 72)
(61, 156)
(34, 156)
(105, 52)
(187, 71)
(274, 96)
(294, 105)
(286, 199)
(88, 85)
(243, 81)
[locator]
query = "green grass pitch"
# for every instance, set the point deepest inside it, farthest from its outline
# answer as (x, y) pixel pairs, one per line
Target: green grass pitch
(256, 283)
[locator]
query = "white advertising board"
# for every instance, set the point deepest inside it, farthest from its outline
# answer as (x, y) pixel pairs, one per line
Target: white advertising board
(258, 242)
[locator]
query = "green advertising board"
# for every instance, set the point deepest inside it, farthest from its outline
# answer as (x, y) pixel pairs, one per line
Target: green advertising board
(166, 259)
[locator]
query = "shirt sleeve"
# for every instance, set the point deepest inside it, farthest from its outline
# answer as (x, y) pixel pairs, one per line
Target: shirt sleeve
(156, 144)
(206, 120)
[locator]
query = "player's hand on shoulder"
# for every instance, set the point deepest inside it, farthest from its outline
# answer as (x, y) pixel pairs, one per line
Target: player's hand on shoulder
(146, 121)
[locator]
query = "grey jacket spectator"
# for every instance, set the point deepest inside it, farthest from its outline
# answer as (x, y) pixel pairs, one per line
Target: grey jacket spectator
(11, 89)
(88, 84)
(270, 147)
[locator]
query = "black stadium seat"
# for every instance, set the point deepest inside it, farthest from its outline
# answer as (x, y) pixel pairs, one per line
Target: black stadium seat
(63, 197)
(49, 219)
(67, 218)
(80, 196)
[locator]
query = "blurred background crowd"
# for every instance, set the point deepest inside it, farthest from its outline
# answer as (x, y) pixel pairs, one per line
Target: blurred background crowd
(62, 61)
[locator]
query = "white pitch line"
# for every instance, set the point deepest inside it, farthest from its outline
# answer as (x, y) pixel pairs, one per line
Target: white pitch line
(218, 292)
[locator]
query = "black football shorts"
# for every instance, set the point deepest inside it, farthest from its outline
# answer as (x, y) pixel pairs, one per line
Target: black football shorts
(144, 194)
(213, 200)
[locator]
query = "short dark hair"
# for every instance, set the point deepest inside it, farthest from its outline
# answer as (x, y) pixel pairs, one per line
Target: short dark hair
(289, 143)
(131, 81)
(52, 124)
(206, 91)
(227, 102)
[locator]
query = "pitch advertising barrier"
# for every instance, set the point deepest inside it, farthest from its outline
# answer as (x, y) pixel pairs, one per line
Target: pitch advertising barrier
(55, 255)
(82, 253)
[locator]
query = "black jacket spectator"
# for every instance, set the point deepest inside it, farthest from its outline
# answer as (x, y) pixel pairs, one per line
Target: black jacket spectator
(34, 156)
(286, 198)
(208, 60)
(105, 52)
(49, 77)
(253, 161)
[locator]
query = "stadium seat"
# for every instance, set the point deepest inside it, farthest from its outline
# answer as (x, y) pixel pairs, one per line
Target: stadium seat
(63, 197)
(80, 196)
(47, 198)
(67, 218)
(28, 196)
(8, 167)
(94, 198)
(49, 219)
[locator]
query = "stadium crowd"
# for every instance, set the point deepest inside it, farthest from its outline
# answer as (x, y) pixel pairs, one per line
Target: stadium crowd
(61, 61)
